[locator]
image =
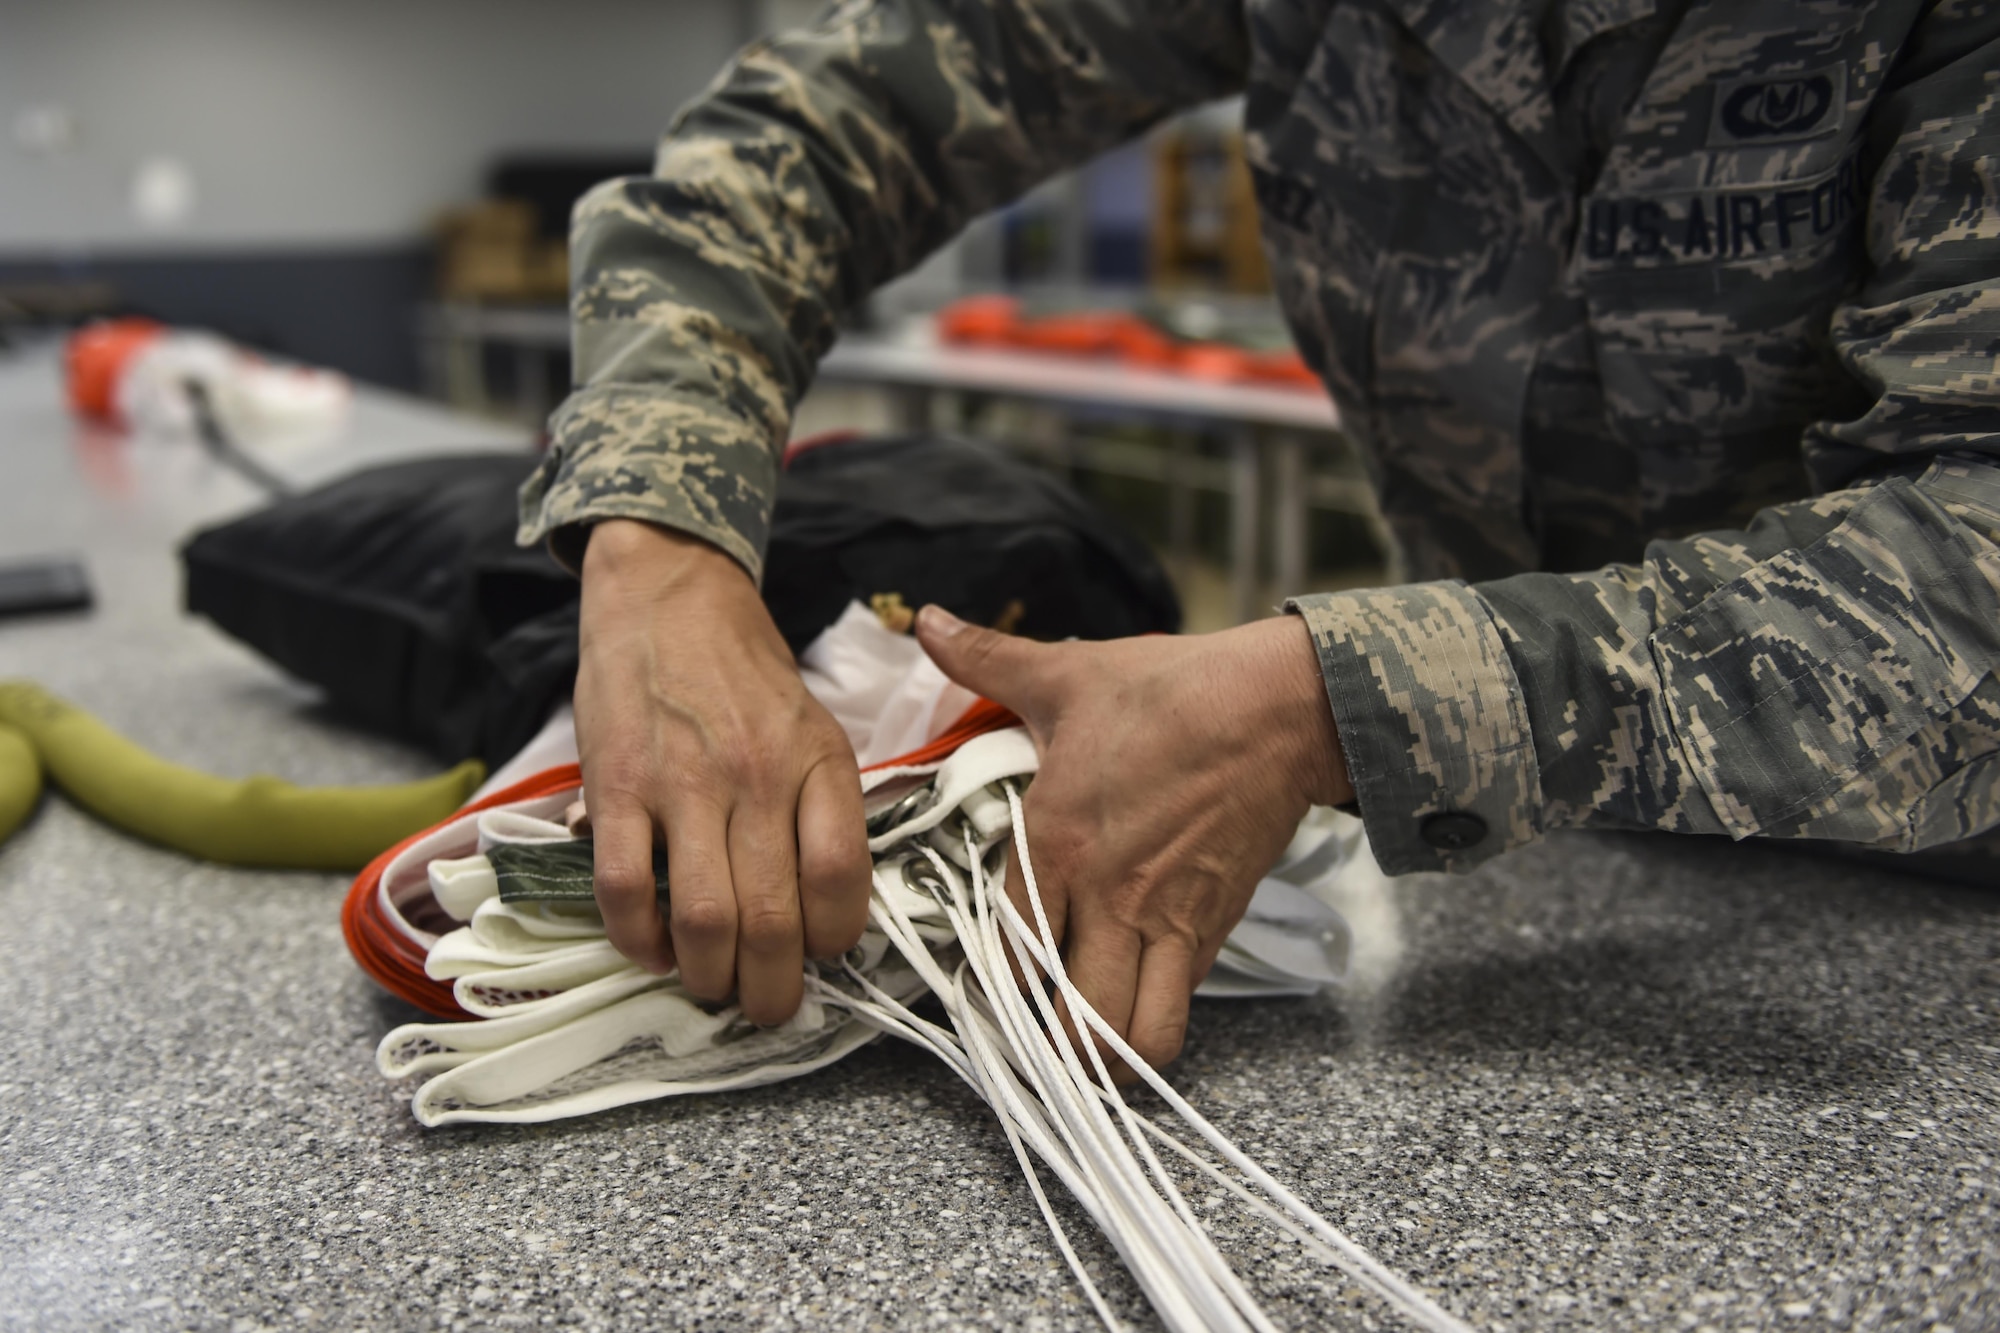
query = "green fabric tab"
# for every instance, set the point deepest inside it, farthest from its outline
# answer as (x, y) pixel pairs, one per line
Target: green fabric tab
(555, 872)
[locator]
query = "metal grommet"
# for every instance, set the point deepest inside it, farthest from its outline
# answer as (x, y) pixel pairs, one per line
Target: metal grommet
(912, 805)
(956, 824)
(920, 876)
(999, 787)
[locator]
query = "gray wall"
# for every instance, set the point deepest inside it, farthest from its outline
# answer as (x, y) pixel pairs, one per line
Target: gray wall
(322, 123)
(322, 137)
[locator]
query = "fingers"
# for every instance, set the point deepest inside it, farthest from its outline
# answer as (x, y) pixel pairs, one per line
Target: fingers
(834, 865)
(1149, 985)
(1002, 667)
(1103, 964)
(1139, 987)
(1204, 960)
(770, 940)
(1160, 1008)
(623, 882)
(739, 897)
(702, 901)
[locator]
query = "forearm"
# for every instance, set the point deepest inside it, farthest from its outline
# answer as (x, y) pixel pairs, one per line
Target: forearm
(824, 163)
(1827, 673)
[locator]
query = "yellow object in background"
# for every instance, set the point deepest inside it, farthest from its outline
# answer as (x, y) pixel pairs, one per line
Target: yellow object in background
(258, 821)
(20, 780)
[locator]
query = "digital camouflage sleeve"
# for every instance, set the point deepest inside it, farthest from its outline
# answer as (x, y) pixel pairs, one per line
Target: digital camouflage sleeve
(822, 164)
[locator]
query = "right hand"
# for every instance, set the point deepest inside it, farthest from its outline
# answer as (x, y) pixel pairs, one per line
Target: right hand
(693, 725)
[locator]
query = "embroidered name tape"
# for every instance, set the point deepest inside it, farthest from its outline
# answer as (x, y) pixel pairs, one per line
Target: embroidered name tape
(1748, 223)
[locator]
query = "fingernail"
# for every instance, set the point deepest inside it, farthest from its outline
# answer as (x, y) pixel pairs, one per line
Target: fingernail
(940, 622)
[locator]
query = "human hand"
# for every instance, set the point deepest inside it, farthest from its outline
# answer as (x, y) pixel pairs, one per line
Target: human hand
(692, 725)
(1174, 772)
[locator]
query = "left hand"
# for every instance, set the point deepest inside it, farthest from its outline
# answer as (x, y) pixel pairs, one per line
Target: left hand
(1174, 772)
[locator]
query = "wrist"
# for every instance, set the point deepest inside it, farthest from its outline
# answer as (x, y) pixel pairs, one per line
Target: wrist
(1305, 728)
(625, 554)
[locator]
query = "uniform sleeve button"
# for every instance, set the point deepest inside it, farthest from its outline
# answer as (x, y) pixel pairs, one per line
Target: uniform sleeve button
(1452, 830)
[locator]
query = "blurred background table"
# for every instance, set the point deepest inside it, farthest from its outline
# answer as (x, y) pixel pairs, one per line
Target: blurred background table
(1276, 441)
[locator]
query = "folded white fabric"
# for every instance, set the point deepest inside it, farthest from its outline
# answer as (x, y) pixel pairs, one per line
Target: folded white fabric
(570, 1027)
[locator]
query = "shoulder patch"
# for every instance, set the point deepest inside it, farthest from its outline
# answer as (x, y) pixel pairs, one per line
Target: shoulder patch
(1760, 109)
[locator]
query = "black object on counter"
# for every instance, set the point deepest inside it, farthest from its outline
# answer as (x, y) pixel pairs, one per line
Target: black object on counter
(43, 587)
(401, 593)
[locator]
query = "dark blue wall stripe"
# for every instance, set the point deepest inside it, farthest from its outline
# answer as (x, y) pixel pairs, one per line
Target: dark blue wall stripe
(352, 310)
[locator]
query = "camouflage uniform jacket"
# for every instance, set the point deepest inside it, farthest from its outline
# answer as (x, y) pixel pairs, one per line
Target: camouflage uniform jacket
(1703, 295)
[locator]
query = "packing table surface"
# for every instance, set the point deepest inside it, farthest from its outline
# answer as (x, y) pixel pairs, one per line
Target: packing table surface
(1605, 1082)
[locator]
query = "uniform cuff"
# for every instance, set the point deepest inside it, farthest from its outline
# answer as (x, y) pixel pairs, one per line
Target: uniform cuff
(624, 452)
(1431, 720)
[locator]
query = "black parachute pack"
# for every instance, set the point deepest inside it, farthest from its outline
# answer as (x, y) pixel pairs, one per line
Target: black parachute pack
(400, 593)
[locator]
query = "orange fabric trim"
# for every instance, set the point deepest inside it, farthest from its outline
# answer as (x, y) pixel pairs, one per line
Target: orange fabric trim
(983, 716)
(384, 952)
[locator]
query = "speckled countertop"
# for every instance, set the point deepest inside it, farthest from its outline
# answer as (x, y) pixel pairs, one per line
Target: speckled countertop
(1606, 1082)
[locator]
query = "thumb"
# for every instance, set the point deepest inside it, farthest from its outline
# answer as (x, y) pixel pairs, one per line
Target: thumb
(1002, 667)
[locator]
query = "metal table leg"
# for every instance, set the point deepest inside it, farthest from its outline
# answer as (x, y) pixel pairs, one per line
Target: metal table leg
(1180, 504)
(909, 408)
(1246, 538)
(531, 385)
(434, 355)
(1288, 501)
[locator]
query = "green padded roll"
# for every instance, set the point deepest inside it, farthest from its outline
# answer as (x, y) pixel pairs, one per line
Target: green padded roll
(20, 781)
(257, 821)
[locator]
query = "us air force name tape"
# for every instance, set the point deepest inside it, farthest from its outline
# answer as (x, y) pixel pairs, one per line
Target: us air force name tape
(1656, 230)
